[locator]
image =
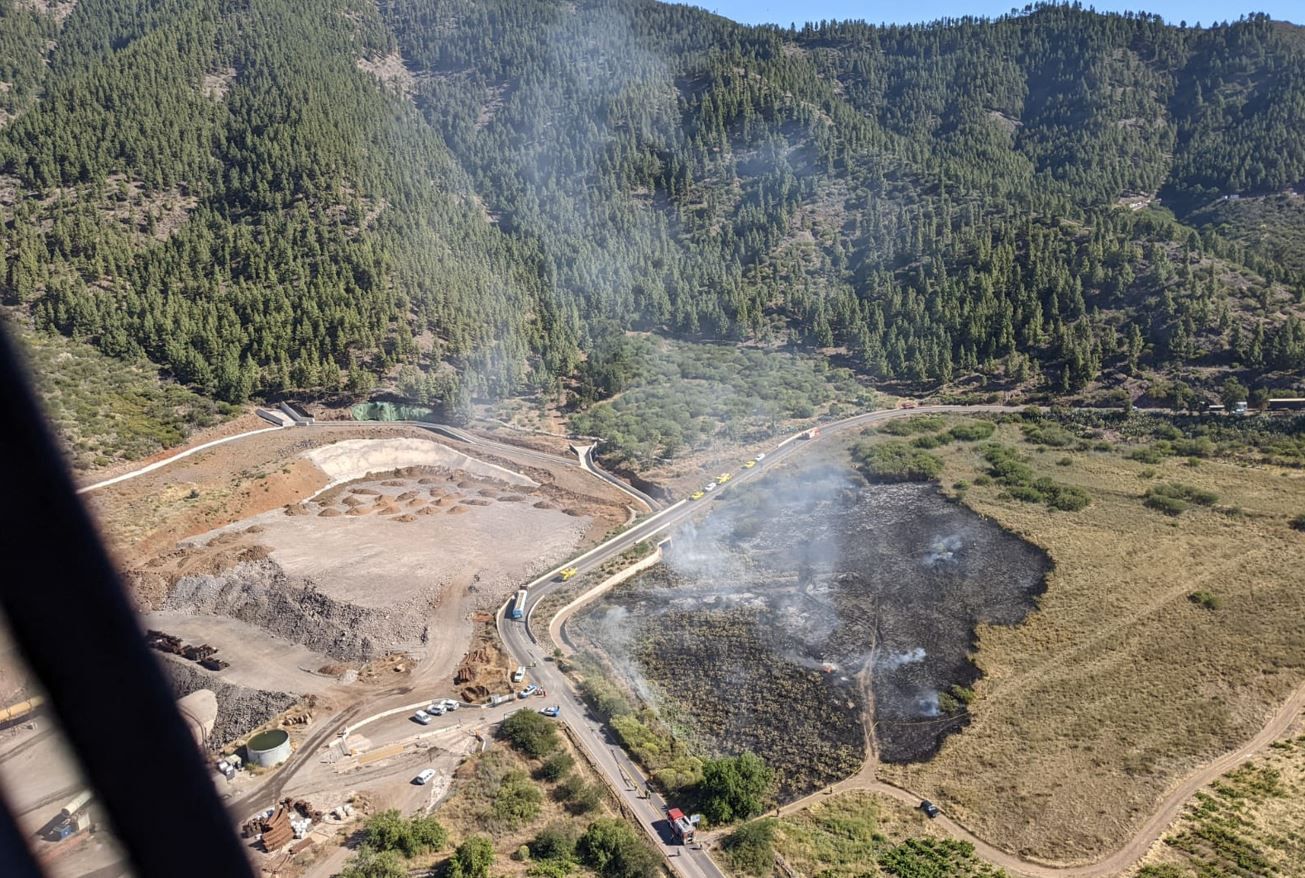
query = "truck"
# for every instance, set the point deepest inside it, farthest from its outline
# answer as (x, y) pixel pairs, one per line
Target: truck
(682, 828)
(519, 606)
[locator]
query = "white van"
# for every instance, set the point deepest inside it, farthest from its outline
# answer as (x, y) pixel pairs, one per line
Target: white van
(425, 776)
(519, 674)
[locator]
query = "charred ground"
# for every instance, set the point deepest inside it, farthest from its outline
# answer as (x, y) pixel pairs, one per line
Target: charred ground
(810, 602)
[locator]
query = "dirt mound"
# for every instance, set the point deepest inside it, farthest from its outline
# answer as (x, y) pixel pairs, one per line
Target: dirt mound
(296, 509)
(544, 504)
(329, 512)
(394, 483)
(487, 492)
(370, 492)
(429, 481)
(353, 500)
(577, 513)
(511, 498)
(406, 495)
(474, 502)
(459, 510)
(359, 510)
(427, 510)
(406, 518)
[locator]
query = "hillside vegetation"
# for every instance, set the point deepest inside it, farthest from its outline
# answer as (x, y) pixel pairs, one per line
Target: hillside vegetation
(310, 196)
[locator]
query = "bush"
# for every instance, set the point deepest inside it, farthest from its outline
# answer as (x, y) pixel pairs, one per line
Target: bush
(587, 798)
(1167, 505)
(1065, 461)
(1173, 498)
(1205, 599)
(369, 863)
(750, 848)
(391, 831)
(554, 842)
(913, 426)
(613, 849)
(472, 858)
(896, 462)
(973, 431)
(555, 766)
(1298, 522)
(530, 733)
(735, 787)
(517, 801)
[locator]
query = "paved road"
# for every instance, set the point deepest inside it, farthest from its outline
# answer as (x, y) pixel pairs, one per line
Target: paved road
(521, 641)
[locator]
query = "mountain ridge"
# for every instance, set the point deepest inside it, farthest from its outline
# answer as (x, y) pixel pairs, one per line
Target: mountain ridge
(319, 197)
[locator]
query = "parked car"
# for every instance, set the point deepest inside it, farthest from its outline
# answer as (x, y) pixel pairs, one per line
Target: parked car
(929, 808)
(519, 674)
(552, 710)
(450, 704)
(528, 691)
(422, 717)
(436, 709)
(425, 776)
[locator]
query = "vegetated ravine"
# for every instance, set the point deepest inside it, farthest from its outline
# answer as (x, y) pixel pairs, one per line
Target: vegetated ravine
(770, 618)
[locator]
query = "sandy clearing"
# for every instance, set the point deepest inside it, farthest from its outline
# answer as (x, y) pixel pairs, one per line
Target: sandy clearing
(258, 660)
(357, 458)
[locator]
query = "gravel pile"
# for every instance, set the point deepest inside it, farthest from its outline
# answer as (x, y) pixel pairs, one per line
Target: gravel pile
(259, 593)
(240, 710)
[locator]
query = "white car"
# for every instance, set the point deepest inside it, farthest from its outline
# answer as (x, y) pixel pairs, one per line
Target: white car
(528, 691)
(710, 486)
(436, 709)
(422, 717)
(761, 455)
(425, 776)
(449, 704)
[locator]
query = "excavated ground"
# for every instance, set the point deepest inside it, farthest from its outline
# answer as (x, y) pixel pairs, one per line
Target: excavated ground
(796, 598)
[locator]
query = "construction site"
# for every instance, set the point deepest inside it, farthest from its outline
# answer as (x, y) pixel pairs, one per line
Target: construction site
(285, 581)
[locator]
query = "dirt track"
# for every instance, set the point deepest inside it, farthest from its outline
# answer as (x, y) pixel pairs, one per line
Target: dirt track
(1116, 863)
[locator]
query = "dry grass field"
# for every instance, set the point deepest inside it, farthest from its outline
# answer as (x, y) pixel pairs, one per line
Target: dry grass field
(1122, 682)
(860, 835)
(1248, 823)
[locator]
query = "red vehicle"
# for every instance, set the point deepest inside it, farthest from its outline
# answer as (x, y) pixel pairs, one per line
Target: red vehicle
(681, 827)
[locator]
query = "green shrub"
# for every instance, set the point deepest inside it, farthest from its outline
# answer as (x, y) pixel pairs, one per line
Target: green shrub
(1298, 522)
(517, 801)
(1205, 599)
(391, 831)
(1173, 498)
(1167, 505)
(555, 766)
(896, 462)
(1049, 434)
(735, 787)
(614, 849)
(554, 842)
(1150, 455)
(530, 733)
(369, 863)
(472, 859)
(973, 431)
(913, 425)
(931, 440)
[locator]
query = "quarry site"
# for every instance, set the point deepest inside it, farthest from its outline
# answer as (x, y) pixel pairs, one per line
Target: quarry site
(303, 571)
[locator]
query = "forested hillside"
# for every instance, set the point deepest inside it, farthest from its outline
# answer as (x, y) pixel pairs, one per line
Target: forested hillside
(311, 196)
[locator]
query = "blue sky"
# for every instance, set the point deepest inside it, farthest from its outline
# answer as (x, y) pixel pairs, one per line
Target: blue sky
(787, 11)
